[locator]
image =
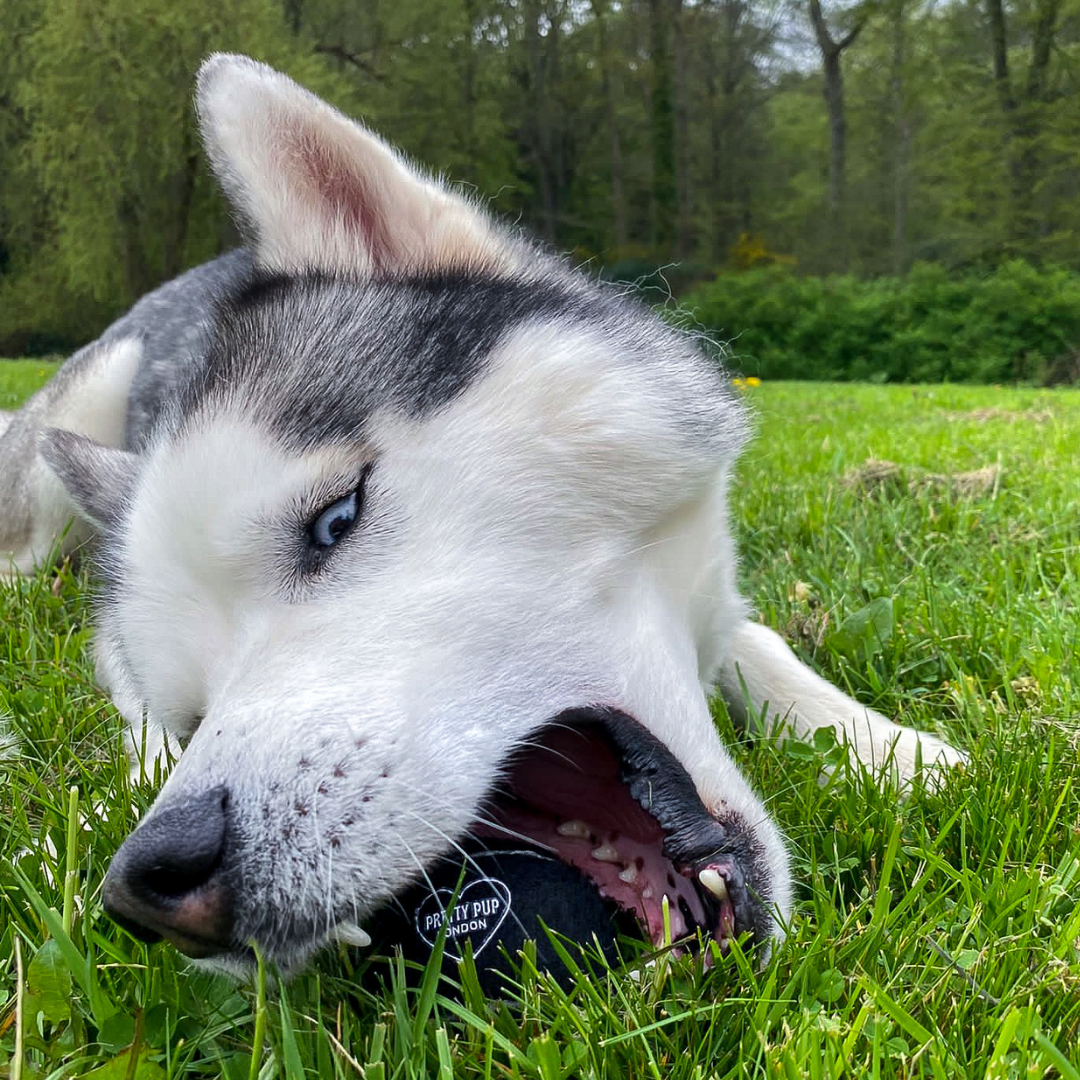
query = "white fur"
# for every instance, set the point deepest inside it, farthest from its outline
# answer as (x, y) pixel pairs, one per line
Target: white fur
(320, 189)
(98, 409)
(93, 402)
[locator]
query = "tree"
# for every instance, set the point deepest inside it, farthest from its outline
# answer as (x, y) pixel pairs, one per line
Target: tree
(112, 140)
(902, 135)
(1023, 107)
(832, 49)
(601, 11)
(662, 60)
(735, 41)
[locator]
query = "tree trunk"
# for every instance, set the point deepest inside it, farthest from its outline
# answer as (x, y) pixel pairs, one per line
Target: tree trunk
(901, 143)
(181, 188)
(469, 84)
(834, 105)
(1023, 113)
(1000, 50)
(684, 235)
(714, 201)
(139, 278)
(618, 198)
(663, 127)
(542, 148)
(1029, 119)
(294, 15)
(831, 53)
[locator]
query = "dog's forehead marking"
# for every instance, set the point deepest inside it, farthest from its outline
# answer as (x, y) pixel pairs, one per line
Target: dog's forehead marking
(313, 356)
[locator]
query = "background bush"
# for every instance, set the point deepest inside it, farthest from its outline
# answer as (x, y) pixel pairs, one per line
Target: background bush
(1013, 324)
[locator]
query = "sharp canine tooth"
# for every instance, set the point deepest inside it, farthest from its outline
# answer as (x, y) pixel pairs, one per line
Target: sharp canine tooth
(712, 881)
(351, 934)
(573, 828)
(647, 893)
(605, 853)
(629, 875)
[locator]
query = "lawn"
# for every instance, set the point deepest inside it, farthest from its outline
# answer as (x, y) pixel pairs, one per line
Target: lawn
(936, 934)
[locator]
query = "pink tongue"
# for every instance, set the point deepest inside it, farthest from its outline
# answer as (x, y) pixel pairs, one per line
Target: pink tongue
(577, 776)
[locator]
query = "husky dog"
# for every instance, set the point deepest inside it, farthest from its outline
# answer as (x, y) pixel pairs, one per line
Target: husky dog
(409, 534)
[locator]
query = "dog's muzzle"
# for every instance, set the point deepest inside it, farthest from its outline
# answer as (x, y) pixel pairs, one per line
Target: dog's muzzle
(592, 789)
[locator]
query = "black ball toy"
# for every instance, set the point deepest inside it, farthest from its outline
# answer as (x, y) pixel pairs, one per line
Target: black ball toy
(505, 896)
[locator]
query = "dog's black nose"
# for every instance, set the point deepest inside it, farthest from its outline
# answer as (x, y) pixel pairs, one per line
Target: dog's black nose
(169, 880)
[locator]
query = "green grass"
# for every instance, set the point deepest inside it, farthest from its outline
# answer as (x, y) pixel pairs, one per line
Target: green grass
(936, 935)
(20, 378)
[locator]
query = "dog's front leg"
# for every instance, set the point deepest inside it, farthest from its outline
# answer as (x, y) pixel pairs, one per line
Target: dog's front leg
(88, 396)
(763, 676)
(149, 750)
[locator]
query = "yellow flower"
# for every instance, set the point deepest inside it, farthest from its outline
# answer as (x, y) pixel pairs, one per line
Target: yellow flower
(752, 380)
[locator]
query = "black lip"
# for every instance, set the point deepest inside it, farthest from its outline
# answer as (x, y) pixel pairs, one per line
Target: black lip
(694, 839)
(122, 907)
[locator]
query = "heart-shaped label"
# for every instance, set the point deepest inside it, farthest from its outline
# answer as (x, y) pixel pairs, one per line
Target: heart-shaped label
(481, 907)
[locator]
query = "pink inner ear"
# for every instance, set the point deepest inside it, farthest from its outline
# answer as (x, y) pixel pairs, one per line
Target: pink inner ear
(345, 199)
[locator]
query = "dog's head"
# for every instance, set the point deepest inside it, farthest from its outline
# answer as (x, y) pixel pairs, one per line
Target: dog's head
(431, 544)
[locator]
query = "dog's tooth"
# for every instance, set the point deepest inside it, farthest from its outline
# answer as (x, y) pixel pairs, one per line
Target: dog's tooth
(712, 881)
(605, 853)
(647, 893)
(629, 875)
(573, 828)
(351, 934)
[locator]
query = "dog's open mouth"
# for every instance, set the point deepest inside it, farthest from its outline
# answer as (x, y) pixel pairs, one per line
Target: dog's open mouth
(605, 796)
(596, 802)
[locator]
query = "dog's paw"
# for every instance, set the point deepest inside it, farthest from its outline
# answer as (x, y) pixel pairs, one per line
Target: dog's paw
(907, 750)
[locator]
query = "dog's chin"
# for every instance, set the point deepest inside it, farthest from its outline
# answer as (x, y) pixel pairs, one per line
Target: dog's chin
(241, 965)
(597, 790)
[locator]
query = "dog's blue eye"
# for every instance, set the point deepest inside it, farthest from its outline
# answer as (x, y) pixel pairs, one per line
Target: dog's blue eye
(337, 519)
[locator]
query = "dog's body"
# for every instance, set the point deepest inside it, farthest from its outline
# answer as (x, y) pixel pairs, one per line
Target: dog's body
(384, 506)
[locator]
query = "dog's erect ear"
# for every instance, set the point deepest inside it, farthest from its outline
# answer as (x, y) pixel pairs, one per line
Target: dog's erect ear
(318, 191)
(98, 478)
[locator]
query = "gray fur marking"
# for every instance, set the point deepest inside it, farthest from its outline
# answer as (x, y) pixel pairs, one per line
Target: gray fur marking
(312, 357)
(174, 323)
(98, 478)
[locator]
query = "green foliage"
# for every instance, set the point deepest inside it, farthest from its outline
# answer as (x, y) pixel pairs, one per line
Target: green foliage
(1012, 324)
(657, 142)
(113, 184)
(934, 935)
